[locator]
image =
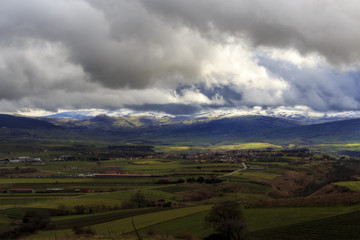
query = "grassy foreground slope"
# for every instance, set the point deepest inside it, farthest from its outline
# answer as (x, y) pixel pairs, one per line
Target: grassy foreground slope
(345, 226)
(283, 223)
(124, 225)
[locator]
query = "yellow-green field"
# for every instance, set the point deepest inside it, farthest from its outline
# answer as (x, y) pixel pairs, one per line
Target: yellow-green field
(178, 203)
(77, 201)
(352, 185)
(122, 226)
(217, 147)
(256, 175)
(333, 147)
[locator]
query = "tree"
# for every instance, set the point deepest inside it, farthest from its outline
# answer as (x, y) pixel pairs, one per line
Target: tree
(227, 220)
(80, 209)
(139, 200)
(36, 220)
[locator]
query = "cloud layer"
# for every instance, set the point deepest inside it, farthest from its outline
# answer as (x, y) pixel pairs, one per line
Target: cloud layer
(152, 54)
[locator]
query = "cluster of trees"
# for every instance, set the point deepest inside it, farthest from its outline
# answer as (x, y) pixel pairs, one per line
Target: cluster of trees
(31, 222)
(201, 179)
(167, 181)
(83, 209)
(138, 200)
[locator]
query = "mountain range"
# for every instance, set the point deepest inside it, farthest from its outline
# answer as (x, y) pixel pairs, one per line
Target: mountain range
(301, 115)
(242, 128)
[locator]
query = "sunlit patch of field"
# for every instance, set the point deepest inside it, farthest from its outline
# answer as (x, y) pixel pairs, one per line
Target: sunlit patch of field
(216, 147)
(350, 145)
(177, 148)
(352, 185)
(244, 146)
(334, 147)
(152, 166)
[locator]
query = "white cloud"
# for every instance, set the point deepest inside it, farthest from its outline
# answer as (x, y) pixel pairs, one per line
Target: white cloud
(116, 53)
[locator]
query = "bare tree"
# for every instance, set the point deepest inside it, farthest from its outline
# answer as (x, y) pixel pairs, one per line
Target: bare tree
(227, 220)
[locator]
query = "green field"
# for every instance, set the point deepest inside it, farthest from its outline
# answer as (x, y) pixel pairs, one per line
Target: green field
(352, 185)
(121, 226)
(107, 207)
(10, 181)
(344, 226)
(335, 147)
(6, 224)
(146, 220)
(255, 175)
(65, 222)
(256, 219)
(193, 224)
(260, 222)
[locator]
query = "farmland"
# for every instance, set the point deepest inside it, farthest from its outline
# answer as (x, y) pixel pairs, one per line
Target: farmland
(171, 194)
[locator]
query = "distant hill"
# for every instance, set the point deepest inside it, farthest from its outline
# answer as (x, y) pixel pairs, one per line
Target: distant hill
(9, 121)
(246, 126)
(243, 128)
(345, 130)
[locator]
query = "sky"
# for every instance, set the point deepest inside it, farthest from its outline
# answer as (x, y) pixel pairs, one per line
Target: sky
(179, 57)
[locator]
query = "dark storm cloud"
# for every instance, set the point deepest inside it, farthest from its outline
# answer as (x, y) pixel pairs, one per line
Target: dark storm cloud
(328, 27)
(118, 43)
(115, 53)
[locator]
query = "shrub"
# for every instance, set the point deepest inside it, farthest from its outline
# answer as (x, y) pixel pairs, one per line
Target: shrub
(80, 230)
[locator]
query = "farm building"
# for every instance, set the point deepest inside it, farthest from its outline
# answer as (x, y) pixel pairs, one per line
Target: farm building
(163, 180)
(22, 190)
(112, 175)
(54, 190)
(159, 203)
(83, 190)
(25, 159)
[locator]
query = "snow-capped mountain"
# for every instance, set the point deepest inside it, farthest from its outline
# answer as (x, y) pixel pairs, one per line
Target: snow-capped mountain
(86, 114)
(301, 114)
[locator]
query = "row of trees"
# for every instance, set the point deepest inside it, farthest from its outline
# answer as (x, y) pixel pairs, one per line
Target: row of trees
(83, 209)
(137, 200)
